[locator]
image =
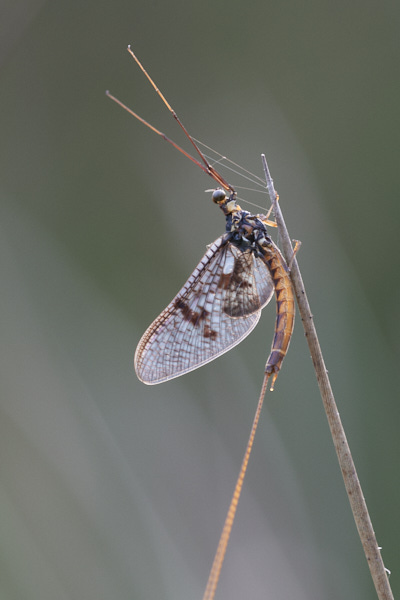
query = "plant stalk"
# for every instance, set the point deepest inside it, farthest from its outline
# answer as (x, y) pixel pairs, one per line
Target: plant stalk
(356, 498)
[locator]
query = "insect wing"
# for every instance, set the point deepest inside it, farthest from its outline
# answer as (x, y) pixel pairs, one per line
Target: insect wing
(218, 306)
(248, 283)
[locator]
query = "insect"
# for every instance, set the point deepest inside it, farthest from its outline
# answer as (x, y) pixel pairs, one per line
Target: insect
(221, 302)
(219, 305)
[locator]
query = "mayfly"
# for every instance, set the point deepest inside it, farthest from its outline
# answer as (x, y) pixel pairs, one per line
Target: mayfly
(219, 305)
(221, 302)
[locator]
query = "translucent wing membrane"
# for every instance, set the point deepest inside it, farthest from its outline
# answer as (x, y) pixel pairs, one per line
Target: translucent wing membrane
(216, 309)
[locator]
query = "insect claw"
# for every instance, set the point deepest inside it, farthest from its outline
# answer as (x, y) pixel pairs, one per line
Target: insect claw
(297, 246)
(274, 378)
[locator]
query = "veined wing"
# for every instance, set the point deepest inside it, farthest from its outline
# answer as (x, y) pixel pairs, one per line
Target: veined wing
(219, 305)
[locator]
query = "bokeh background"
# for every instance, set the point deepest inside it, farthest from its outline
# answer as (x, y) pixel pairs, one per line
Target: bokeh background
(112, 489)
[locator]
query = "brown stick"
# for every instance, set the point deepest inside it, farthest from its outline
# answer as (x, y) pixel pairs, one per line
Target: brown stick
(357, 502)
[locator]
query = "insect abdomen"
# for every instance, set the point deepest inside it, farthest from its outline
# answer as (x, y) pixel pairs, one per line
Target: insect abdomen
(285, 310)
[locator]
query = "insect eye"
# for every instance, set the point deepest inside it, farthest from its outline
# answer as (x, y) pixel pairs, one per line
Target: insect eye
(218, 196)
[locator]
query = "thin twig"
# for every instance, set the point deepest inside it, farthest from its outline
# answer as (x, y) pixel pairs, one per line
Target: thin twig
(352, 484)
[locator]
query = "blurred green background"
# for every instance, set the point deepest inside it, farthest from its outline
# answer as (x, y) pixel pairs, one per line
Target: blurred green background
(112, 489)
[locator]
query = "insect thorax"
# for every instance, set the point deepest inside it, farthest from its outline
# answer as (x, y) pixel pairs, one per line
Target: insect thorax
(245, 230)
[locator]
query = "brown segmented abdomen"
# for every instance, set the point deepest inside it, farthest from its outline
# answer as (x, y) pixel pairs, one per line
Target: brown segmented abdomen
(285, 309)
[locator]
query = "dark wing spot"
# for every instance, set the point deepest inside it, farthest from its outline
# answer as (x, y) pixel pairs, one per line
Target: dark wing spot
(191, 315)
(210, 333)
(224, 281)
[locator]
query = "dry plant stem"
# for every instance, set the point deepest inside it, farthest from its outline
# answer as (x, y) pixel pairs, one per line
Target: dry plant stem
(352, 484)
(230, 517)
